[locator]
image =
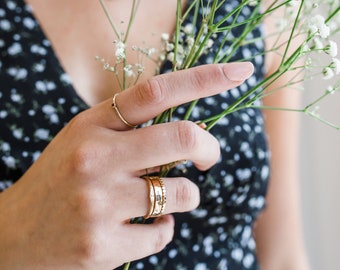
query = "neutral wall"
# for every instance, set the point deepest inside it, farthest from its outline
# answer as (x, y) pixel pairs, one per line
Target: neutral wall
(320, 181)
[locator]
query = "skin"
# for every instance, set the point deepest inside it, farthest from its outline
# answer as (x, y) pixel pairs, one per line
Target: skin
(74, 213)
(278, 232)
(85, 191)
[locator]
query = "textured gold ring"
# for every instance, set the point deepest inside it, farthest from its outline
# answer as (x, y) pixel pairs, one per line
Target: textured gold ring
(157, 196)
(115, 107)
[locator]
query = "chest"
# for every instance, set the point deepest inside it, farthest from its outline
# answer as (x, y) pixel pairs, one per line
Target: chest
(79, 31)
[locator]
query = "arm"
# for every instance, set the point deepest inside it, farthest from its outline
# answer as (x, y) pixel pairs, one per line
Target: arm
(278, 231)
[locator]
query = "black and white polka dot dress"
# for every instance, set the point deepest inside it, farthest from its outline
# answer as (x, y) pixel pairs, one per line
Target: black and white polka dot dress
(37, 99)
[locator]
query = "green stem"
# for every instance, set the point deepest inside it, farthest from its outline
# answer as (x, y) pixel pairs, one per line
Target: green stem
(192, 53)
(107, 13)
(316, 101)
(268, 11)
(190, 109)
(126, 266)
(236, 44)
(134, 9)
(237, 11)
(319, 119)
(292, 31)
(177, 32)
(332, 15)
(273, 108)
(194, 4)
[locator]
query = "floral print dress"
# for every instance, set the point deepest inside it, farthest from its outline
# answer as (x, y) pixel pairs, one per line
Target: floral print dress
(37, 99)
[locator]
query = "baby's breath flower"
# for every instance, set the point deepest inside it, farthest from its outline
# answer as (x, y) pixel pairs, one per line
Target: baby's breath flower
(293, 3)
(205, 28)
(324, 31)
(111, 69)
(140, 68)
(190, 41)
(308, 62)
(253, 3)
(333, 26)
(171, 56)
(128, 71)
(318, 45)
(330, 90)
(292, 8)
(335, 65)
(305, 48)
(150, 51)
(162, 57)
(209, 43)
(331, 49)
(317, 20)
(169, 47)
(327, 73)
(180, 49)
(165, 37)
(188, 28)
(120, 50)
(317, 26)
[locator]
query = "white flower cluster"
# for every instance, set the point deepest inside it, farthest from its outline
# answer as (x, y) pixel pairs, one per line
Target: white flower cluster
(321, 33)
(318, 26)
(119, 64)
(187, 44)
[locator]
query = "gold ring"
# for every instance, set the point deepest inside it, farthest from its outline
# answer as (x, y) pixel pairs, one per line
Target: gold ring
(157, 196)
(114, 106)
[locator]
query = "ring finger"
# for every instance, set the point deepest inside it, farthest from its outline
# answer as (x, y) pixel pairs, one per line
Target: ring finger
(181, 195)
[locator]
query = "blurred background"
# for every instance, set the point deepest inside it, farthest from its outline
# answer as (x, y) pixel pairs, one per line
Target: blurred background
(320, 179)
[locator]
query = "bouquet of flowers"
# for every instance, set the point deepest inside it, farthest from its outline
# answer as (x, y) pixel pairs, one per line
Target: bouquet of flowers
(312, 33)
(303, 31)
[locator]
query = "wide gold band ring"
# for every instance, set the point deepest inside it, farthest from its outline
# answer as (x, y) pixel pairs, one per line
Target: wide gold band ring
(157, 196)
(115, 107)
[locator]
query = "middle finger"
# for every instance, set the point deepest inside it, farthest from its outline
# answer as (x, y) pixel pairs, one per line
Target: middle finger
(165, 143)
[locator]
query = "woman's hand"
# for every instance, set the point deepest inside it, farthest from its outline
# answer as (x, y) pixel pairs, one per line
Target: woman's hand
(71, 209)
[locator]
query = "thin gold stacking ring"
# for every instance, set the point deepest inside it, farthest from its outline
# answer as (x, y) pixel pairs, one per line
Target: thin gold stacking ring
(157, 196)
(115, 107)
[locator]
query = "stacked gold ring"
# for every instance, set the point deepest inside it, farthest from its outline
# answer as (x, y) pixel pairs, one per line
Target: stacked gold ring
(157, 196)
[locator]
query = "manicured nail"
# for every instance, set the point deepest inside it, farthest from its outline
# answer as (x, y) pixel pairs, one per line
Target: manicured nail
(238, 71)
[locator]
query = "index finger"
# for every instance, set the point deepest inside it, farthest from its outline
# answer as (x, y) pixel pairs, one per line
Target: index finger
(146, 100)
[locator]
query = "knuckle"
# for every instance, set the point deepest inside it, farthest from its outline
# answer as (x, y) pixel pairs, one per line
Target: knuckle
(200, 77)
(187, 136)
(83, 157)
(88, 249)
(82, 151)
(152, 91)
(79, 121)
(160, 241)
(216, 146)
(90, 233)
(87, 206)
(186, 196)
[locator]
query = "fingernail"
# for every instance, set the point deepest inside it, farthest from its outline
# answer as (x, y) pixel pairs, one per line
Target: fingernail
(238, 71)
